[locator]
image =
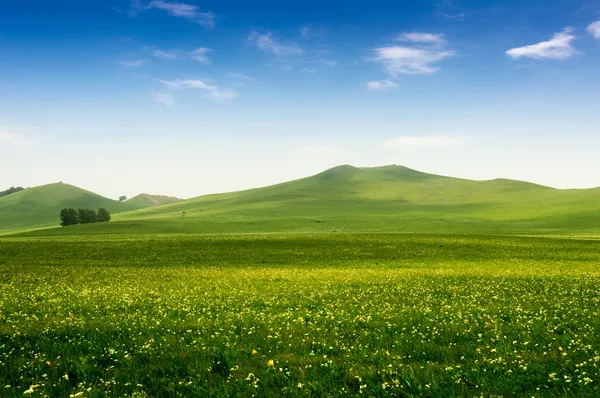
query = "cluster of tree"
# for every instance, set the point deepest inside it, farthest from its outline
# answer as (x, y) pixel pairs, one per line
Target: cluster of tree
(11, 190)
(69, 216)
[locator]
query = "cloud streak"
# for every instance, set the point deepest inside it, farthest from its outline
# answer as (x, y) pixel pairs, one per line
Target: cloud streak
(181, 10)
(268, 44)
(132, 64)
(200, 54)
(166, 99)
(559, 47)
(240, 76)
(211, 91)
(381, 85)
(419, 58)
(411, 61)
(429, 38)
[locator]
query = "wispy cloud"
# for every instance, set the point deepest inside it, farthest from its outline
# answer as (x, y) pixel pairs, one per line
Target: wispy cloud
(594, 30)
(418, 58)
(426, 141)
(268, 44)
(211, 91)
(381, 85)
(329, 62)
(172, 54)
(219, 95)
(200, 54)
(132, 64)
(305, 32)
(447, 9)
(163, 98)
(429, 38)
(240, 76)
(559, 47)
(182, 10)
(457, 17)
(11, 139)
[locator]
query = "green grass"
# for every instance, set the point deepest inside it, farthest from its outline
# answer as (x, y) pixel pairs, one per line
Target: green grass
(40, 206)
(146, 200)
(337, 314)
(382, 199)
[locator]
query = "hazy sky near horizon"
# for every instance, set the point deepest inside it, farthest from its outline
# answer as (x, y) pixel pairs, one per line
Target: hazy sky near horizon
(201, 96)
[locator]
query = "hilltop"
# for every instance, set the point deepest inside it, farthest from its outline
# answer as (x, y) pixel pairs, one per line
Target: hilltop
(40, 206)
(379, 199)
(147, 200)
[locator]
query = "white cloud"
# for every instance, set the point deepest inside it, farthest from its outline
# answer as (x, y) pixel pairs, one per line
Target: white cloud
(240, 76)
(429, 38)
(179, 84)
(594, 30)
(381, 85)
(457, 17)
(219, 95)
(132, 64)
(305, 32)
(200, 54)
(212, 92)
(426, 141)
(163, 98)
(410, 60)
(329, 62)
(559, 47)
(267, 44)
(417, 58)
(173, 54)
(13, 139)
(182, 10)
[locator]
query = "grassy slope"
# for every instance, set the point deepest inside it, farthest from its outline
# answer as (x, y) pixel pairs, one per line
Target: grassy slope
(147, 200)
(39, 206)
(391, 198)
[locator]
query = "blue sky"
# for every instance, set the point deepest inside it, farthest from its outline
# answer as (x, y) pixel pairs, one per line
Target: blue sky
(194, 97)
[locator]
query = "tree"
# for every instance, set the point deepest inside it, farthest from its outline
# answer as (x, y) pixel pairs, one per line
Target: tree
(122, 198)
(11, 190)
(103, 215)
(87, 216)
(68, 217)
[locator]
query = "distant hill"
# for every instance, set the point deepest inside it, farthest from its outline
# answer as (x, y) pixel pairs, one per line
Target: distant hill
(40, 206)
(389, 198)
(10, 191)
(147, 200)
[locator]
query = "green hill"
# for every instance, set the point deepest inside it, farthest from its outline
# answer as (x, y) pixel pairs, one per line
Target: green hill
(40, 206)
(147, 200)
(351, 199)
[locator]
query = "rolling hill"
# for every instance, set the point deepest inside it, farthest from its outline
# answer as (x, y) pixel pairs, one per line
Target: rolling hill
(147, 200)
(380, 199)
(39, 206)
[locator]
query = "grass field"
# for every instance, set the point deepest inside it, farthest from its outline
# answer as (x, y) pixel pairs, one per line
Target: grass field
(299, 315)
(343, 199)
(39, 206)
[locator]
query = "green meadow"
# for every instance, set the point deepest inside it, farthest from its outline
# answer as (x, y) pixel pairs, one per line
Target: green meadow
(373, 282)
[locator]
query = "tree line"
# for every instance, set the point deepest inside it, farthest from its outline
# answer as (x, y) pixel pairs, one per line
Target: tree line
(11, 190)
(70, 216)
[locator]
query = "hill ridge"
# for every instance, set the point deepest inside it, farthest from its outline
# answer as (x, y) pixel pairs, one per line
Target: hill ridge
(370, 199)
